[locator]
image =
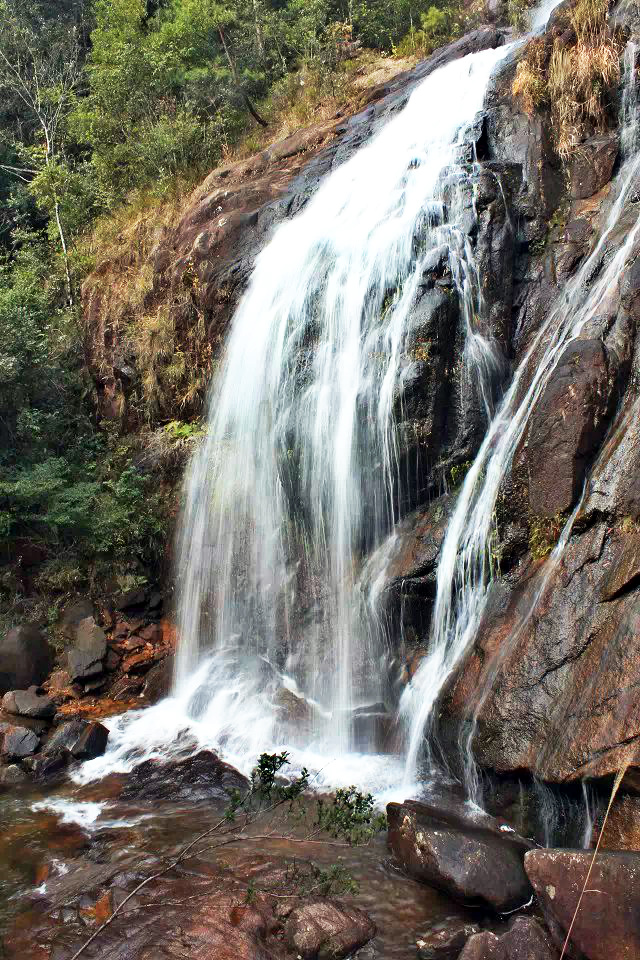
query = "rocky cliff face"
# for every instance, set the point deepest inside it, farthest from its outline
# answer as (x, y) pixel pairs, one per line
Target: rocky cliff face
(551, 683)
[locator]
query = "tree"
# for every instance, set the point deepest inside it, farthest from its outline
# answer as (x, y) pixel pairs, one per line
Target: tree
(42, 71)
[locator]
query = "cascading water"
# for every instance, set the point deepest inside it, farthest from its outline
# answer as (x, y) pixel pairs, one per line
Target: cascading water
(297, 481)
(465, 571)
(298, 477)
(283, 500)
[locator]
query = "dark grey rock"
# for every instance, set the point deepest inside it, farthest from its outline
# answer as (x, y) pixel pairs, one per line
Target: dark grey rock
(28, 703)
(25, 658)
(17, 742)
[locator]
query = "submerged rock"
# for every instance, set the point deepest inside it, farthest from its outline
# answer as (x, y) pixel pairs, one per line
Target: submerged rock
(445, 939)
(470, 857)
(11, 774)
(201, 777)
(525, 940)
(607, 924)
(325, 930)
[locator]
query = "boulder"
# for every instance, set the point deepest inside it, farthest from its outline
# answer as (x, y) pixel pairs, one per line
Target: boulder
(524, 940)
(608, 922)
(91, 743)
(592, 165)
(65, 737)
(73, 614)
(84, 660)
(28, 703)
(157, 684)
(445, 939)
(474, 858)
(17, 742)
(46, 768)
(325, 930)
(203, 776)
(25, 658)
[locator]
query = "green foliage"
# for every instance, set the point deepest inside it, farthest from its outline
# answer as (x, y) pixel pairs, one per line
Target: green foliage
(543, 534)
(350, 814)
(458, 472)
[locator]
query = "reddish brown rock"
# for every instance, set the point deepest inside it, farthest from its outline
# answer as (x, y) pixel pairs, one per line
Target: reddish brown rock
(525, 940)
(608, 922)
(327, 931)
(158, 681)
(445, 939)
(152, 632)
(467, 855)
(567, 426)
(555, 692)
(139, 662)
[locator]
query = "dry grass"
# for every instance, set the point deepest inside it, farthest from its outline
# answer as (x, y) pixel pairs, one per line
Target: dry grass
(164, 335)
(579, 79)
(316, 95)
(530, 83)
(574, 79)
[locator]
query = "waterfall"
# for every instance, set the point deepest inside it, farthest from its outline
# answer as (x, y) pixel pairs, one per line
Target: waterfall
(283, 500)
(464, 573)
(297, 482)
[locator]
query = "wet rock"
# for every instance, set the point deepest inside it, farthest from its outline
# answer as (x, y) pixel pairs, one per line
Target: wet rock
(28, 703)
(158, 682)
(327, 931)
(592, 165)
(373, 729)
(525, 940)
(470, 857)
(201, 777)
(112, 662)
(17, 742)
(25, 658)
(140, 661)
(294, 711)
(12, 774)
(84, 660)
(46, 768)
(554, 693)
(91, 743)
(126, 688)
(73, 614)
(64, 738)
(622, 830)
(567, 426)
(445, 939)
(608, 922)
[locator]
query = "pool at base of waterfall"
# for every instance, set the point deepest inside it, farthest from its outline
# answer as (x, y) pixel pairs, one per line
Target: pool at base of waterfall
(71, 857)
